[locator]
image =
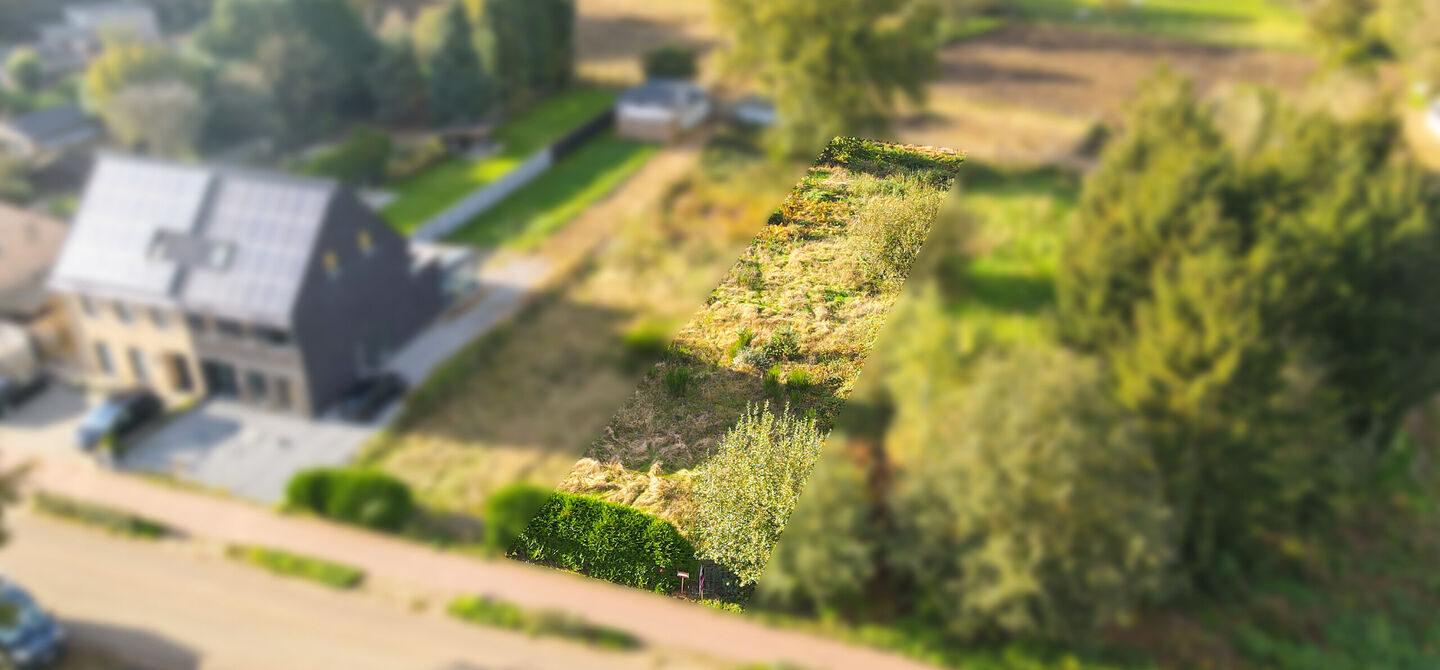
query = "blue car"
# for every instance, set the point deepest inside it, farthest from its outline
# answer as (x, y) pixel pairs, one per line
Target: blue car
(118, 416)
(30, 636)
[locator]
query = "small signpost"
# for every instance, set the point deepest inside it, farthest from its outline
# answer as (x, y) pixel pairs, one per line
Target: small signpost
(682, 575)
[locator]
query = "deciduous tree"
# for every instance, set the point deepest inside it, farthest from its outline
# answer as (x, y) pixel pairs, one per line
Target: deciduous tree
(832, 67)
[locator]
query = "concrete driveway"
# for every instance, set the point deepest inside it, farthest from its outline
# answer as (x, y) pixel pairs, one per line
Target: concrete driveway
(45, 425)
(249, 452)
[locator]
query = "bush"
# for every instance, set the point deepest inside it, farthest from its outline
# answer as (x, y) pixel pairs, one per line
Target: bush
(335, 575)
(742, 341)
(783, 345)
(606, 541)
(363, 497)
(362, 159)
(760, 467)
(677, 380)
(410, 161)
(501, 614)
(509, 510)
(108, 518)
(671, 61)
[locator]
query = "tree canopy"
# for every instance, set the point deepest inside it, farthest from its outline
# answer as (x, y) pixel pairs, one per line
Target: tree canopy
(832, 67)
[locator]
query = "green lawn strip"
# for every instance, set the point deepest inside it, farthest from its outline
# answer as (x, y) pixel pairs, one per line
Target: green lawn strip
(505, 615)
(1256, 23)
(107, 518)
(1020, 220)
(427, 194)
(334, 575)
(545, 205)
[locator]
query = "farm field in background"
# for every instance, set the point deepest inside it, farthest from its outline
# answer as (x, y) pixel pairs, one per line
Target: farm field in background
(1257, 23)
(427, 194)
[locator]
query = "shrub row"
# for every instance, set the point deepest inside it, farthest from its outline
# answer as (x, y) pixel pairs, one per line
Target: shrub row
(362, 159)
(363, 497)
(501, 614)
(334, 575)
(606, 541)
(113, 520)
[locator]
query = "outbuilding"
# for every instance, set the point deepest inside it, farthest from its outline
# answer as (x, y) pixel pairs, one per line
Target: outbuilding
(661, 110)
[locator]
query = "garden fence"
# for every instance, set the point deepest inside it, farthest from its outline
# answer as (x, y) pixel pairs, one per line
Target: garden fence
(480, 200)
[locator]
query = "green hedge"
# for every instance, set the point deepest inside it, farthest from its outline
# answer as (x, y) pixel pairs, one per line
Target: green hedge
(334, 575)
(111, 519)
(364, 497)
(606, 541)
(509, 510)
(501, 614)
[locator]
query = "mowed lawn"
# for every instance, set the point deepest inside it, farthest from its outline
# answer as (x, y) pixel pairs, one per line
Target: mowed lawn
(427, 194)
(1259, 23)
(545, 205)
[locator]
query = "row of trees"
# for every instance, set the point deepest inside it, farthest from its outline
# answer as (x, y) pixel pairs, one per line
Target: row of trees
(296, 70)
(1243, 318)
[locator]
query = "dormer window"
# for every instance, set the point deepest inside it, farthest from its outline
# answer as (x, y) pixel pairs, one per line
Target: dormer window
(365, 242)
(332, 264)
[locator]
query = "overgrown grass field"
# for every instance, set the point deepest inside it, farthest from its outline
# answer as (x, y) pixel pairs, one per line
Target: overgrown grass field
(427, 194)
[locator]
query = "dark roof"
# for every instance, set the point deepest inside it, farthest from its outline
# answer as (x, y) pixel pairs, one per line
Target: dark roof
(663, 93)
(55, 125)
(226, 241)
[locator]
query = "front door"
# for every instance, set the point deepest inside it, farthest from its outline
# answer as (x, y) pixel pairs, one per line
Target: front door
(178, 368)
(220, 378)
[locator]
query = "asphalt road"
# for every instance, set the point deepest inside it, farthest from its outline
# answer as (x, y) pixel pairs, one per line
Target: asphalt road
(159, 606)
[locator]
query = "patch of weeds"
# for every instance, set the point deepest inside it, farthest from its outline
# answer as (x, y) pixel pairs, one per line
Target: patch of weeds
(742, 341)
(509, 616)
(783, 344)
(798, 381)
(772, 383)
(753, 357)
(334, 575)
(677, 380)
(106, 518)
(751, 275)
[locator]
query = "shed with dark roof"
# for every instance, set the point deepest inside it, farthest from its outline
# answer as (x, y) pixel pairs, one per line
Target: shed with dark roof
(49, 132)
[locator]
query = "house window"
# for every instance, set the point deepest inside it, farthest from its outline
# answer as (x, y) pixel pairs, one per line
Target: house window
(256, 385)
(87, 305)
(122, 312)
(229, 328)
(332, 264)
(196, 322)
(272, 336)
(365, 242)
(102, 359)
(137, 366)
(158, 317)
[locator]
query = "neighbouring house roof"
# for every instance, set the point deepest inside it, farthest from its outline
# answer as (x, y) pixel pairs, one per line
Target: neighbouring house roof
(227, 241)
(55, 127)
(29, 243)
(138, 19)
(667, 93)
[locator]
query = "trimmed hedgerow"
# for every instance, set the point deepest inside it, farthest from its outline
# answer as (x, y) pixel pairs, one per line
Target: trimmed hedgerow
(607, 541)
(363, 497)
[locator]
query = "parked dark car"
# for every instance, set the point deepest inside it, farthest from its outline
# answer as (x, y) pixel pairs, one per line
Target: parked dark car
(366, 397)
(30, 636)
(120, 415)
(15, 391)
